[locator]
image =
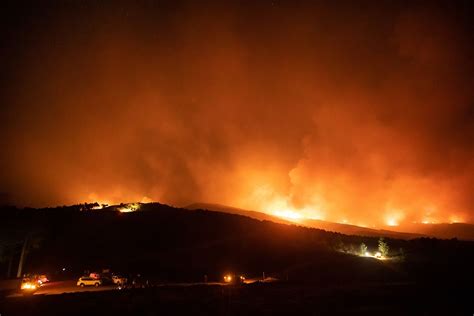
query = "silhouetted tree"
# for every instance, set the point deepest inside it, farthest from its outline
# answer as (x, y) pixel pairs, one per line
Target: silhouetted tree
(363, 249)
(32, 240)
(383, 247)
(9, 249)
(401, 255)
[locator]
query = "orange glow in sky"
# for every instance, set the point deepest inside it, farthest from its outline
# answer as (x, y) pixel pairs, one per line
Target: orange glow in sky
(299, 110)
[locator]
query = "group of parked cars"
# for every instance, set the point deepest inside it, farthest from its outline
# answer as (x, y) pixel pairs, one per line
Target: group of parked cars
(95, 279)
(31, 283)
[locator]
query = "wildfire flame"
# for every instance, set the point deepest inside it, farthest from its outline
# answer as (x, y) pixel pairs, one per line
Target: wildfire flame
(129, 208)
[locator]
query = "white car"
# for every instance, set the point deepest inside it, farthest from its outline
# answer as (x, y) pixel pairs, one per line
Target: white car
(84, 281)
(119, 280)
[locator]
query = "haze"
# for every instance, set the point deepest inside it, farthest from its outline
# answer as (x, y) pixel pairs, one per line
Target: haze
(360, 113)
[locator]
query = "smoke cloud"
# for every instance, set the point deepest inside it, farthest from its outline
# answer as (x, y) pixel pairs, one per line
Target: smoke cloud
(360, 112)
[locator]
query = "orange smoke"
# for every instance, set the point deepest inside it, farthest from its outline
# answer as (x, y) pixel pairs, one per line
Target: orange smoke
(318, 110)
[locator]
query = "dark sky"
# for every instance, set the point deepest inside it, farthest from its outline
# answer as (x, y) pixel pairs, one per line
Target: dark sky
(357, 111)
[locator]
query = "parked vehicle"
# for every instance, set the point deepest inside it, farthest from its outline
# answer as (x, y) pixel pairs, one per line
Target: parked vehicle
(86, 281)
(29, 286)
(42, 279)
(119, 280)
(234, 279)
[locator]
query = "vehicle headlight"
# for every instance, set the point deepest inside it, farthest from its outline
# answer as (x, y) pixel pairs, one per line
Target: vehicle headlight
(28, 286)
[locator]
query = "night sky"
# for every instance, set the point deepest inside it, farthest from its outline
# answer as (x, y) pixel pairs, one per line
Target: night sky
(355, 111)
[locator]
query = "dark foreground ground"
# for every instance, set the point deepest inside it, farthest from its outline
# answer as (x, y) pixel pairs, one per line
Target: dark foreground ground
(255, 299)
(165, 245)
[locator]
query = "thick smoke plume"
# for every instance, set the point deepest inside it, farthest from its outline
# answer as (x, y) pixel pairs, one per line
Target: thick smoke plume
(362, 112)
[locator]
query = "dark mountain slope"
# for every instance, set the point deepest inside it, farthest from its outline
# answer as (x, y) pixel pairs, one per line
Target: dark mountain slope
(329, 226)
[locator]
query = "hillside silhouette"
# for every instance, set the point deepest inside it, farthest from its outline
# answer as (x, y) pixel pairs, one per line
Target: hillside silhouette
(172, 244)
(408, 231)
(320, 224)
